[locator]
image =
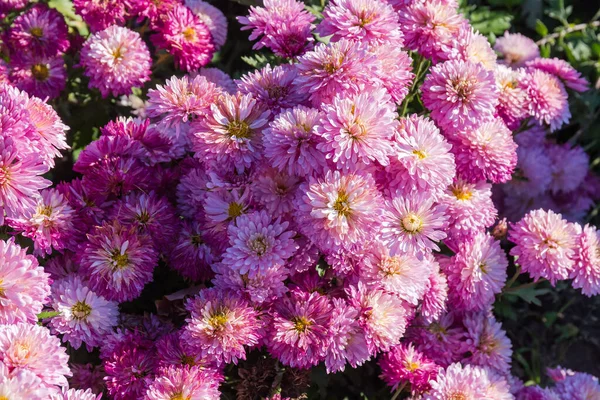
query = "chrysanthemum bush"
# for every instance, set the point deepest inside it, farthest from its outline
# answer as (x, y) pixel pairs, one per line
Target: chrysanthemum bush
(361, 201)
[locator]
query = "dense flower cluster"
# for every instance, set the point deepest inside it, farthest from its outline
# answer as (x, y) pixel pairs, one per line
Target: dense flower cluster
(312, 215)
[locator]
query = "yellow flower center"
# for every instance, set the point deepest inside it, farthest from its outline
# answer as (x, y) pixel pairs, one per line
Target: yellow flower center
(179, 396)
(411, 366)
(144, 217)
(189, 34)
(235, 210)
(462, 193)
(341, 204)
(120, 261)
(411, 223)
(2, 290)
(117, 53)
(301, 324)
(40, 72)
(197, 240)
(38, 33)
(239, 129)
(188, 360)
(45, 211)
(420, 154)
(81, 310)
(218, 321)
(457, 396)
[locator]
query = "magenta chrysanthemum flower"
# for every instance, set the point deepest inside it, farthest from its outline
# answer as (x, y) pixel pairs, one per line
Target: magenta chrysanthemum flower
(170, 352)
(87, 376)
(273, 88)
(38, 75)
(118, 261)
(413, 224)
(100, 14)
(339, 210)
(512, 100)
(299, 329)
(536, 393)
(473, 47)
(586, 273)
(568, 166)
(436, 294)
(548, 99)
(7, 6)
(84, 317)
(476, 273)
(393, 69)
(284, 26)
(224, 206)
(186, 37)
(367, 21)
(41, 30)
(356, 131)
(213, 18)
(191, 256)
(579, 386)
(442, 340)
(460, 94)
(30, 347)
(383, 316)
(486, 152)
(22, 384)
(116, 60)
(257, 243)
(291, 141)
(404, 364)
(220, 326)
(430, 27)
(230, 135)
(515, 49)
(184, 382)
(563, 71)
(24, 285)
(181, 99)
(488, 344)
(276, 192)
(421, 159)
(403, 274)
(458, 382)
(545, 245)
(342, 68)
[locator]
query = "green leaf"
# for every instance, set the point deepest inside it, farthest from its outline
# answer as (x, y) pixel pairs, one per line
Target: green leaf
(487, 21)
(540, 28)
(47, 314)
(259, 60)
(530, 294)
(505, 3)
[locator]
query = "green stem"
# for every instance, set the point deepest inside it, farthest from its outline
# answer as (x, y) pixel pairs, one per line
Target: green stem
(514, 278)
(398, 391)
(524, 286)
(420, 62)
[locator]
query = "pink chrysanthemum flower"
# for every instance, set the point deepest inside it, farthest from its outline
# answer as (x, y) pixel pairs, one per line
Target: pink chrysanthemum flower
(383, 316)
(257, 243)
(220, 326)
(586, 273)
(186, 37)
(299, 329)
(30, 347)
(191, 255)
(100, 14)
(224, 206)
(430, 27)
(342, 68)
(460, 94)
(563, 71)
(24, 286)
(436, 295)
(458, 382)
(191, 193)
(569, 167)
(230, 135)
(213, 18)
(273, 88)
(22, 384)
(422, 159)
(118, 261)
(548, 99)
(476, 273)
(291, 142)
(339, 209)
(356, 131)
(413, 224)
(74, 394)
(579, 386)
(512, 100)
(404, 364)
(41, 30)
(442, 340)
(84, 317)
(473, 47)
(276, 192)
(181, 99)
(183, 382)
(545, 245)
(49, 224)
(515, 49)
(151, 9)
(116, 60)
(403, 274)
(170, 352)
(219, 78)
(469, 207)
(284, 26)
(38, 75)
(486, 152)
(393, 68)
(367, 21)
(488, 344)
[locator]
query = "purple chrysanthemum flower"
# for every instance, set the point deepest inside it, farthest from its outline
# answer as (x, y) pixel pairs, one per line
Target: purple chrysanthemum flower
(586, 274)
(171, 352)
(38, 75)
(213, 18)
(339, 209)
(87, 376)
(579, 386)
(257, 243)
(191, 256)
(356, 131)
(40, 30)
(460, 94)
(568, 166)
(548, 99)
(404, 364)
(488, 344)
(413, 224)
(368, 21)
(116, 60)
(24, 286)
(220, 326)
(230, 135)
(30, 347)
(299, 329)
(291, 141)
(219, 78)
(276, 192)
(563, 71)
(545, 245)
(184, 382)
(186, 37)
(224, 206)
(100, 14)
(118, 261)
(515, 49)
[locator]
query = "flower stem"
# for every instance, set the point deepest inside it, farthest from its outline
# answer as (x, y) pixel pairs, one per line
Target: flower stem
(398, 391)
